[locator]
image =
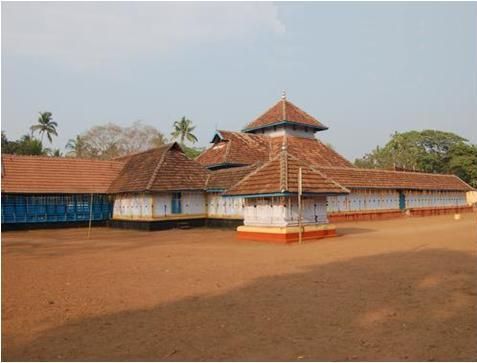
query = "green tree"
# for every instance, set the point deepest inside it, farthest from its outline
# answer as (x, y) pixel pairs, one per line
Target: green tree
(462, 161)
(429, 151)
(45, 125)
(192, 152)
(8, 147)
(182, 130)
(77, 147)
(26, 145)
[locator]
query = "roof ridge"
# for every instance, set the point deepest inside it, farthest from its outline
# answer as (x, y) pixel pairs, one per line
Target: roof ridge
(48, 157)
(227, 150)
(207, 180)
(303, 112)
(255, 171)
(145, 151)
(387, 171)
(264, 113)
(257, 166)
(284, 108)
(158, 166)
(312, 168)
(284, 164)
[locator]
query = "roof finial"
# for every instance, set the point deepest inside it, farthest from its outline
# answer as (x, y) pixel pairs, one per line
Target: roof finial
(284, 99)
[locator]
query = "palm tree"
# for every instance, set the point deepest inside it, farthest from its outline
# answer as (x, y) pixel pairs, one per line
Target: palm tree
(183, 130)
(45, 125)
(77, 147)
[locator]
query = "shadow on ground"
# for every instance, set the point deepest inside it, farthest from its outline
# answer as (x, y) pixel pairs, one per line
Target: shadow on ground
(399, 306)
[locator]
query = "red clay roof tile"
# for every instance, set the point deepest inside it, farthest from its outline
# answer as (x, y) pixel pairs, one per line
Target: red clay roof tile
(42, 174)
(387, 179)
(223, 179)
(283, 111)
(165, 168)
(245, 149)
(280, 175)
(236, 148)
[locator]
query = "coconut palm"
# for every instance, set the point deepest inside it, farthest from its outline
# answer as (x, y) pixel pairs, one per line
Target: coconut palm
(45, 125)
(183, 130)
(77, 147)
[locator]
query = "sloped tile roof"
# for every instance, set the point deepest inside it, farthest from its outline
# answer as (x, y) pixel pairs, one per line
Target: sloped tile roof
(311, 150)
(42, 174)
(280, 175)
(236, 148)
(283, 111)
(245, 149)
(387, 179)
(164, 168)
(223, 179)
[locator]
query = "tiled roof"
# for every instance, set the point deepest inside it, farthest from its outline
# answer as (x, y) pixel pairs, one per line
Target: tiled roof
(386, 179)
(223, 179)
(161, 169)
(42, 174)
(236, 148)
(242, 148)
(284, 111)
(312, 151)
(280, 176)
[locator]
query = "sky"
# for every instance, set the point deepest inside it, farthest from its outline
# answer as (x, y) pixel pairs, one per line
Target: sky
(364, 70)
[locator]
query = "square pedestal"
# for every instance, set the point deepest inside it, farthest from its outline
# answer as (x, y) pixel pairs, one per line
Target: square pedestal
(285, 234)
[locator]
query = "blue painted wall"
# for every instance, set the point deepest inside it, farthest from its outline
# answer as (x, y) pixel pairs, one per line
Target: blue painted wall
(28, 208)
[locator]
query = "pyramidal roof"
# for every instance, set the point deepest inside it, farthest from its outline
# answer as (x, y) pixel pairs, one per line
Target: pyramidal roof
(284, 112)
(160, 169)
(279, 176)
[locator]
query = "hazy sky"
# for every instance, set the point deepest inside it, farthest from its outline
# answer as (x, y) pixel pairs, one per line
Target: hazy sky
(363, 69)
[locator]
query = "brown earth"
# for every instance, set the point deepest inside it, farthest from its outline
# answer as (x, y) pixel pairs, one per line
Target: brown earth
(401, 289)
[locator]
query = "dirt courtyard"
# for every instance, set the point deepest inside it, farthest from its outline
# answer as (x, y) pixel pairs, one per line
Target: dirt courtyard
(389, 290)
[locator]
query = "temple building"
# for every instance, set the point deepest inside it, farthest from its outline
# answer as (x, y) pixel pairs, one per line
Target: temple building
(248, 180)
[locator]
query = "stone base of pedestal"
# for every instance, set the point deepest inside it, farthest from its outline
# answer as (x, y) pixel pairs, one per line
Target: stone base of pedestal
(285, 234)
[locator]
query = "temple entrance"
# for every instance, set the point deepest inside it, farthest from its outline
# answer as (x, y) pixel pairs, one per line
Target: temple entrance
(176, 205)
(402, 201)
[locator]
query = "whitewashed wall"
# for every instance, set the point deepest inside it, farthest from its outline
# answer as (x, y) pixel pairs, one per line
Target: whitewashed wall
(471, 197)
(224, 207)
(288, 130)
(361, 200)
(283, 212)
(422, 199)
(134, 206)
(156, 205)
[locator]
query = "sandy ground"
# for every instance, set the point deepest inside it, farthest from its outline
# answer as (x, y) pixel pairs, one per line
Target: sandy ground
(390, 290)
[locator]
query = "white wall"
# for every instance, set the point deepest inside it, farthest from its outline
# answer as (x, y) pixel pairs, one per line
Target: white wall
(224, 207)
(156, 205)
(471, 197)
(366, 199)
(134, 206)
(422, 199)
(363, 200)
(283, 211)
(288, 130)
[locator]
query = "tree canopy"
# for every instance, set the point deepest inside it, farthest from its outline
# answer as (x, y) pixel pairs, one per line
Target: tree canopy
(111, 141)
(430, 151)
(26, 145)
